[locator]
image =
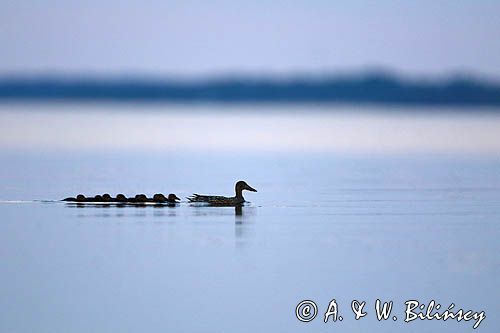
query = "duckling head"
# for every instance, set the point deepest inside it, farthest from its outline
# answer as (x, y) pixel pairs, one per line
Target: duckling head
(172, 198)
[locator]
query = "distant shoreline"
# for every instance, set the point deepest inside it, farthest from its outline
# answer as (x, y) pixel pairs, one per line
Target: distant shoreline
(355, 89)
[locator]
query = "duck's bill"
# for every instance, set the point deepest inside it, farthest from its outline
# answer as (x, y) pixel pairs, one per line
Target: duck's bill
(176, 198)
(251, 189)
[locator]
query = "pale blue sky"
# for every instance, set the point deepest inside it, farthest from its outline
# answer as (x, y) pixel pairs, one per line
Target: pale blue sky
(212, 37)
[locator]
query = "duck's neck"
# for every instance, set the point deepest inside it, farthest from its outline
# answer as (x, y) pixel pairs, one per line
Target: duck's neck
(239, 194)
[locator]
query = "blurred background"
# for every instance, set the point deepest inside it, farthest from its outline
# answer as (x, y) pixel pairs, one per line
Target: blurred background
(198, 38)
(371, 130)
(302, 60)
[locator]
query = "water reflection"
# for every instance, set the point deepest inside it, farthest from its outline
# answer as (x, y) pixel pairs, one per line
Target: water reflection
(244, 230)
(123, 209)
(205, 210)
(162, 211)
(241, 213)
(118, 205)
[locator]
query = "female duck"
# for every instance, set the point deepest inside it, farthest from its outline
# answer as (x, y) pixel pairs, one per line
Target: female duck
(216, 200)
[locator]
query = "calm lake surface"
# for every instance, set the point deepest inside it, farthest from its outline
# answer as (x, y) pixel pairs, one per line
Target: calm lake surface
(398, 212)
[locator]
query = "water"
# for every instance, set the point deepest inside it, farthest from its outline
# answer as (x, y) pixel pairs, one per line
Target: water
(323, 225)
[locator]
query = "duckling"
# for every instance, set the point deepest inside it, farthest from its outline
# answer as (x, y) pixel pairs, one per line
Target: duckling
(214, 200)
(158, 197)
(120, 198)
(79, 198)
(139, 198)
(97, 198)
(172, 198)
(106, 197)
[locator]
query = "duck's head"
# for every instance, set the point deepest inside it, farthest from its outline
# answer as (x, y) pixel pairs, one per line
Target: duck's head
(172, 198)
(241, 185)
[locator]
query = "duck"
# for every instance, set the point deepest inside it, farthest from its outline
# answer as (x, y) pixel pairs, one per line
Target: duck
(217, 200)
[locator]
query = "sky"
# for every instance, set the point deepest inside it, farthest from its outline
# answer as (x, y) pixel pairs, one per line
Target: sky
(200, 38)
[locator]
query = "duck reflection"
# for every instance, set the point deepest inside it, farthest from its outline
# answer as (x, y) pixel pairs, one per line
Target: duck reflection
(123, 209)
(244, 227)
(243, 214)
(120, 205)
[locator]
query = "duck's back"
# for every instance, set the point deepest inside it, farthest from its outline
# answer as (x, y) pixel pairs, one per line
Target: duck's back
(215, 199)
